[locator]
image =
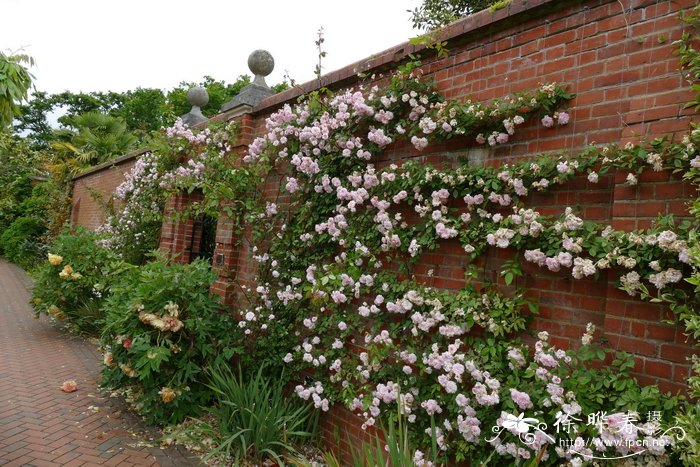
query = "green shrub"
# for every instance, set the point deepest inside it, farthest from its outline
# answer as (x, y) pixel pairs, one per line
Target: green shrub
(139, 244)
(163, 330)
(20, 243)
(8, 213)
(75, 279)
(14, 193)
(689, 449)
(36, 205)
(255, 421)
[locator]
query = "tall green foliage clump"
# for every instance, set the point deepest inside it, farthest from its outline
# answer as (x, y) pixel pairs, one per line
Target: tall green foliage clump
(162, 331)
(687, 306)
(23, 205)
(95, 137)
(20, 242)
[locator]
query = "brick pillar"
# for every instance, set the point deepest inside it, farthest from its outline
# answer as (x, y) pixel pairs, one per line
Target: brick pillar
(225, 261)
(177, 234)
(228, 255)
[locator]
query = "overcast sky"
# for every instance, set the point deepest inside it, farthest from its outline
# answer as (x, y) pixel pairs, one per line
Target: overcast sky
(93, 45)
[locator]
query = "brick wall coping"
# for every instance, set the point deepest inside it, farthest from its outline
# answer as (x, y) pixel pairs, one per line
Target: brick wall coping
(394, 55)
(111, 163)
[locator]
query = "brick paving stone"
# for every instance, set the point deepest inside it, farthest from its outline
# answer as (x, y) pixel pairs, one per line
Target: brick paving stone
(40, 425)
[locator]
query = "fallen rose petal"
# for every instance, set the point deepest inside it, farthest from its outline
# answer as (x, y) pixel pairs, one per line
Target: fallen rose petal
(69, 386)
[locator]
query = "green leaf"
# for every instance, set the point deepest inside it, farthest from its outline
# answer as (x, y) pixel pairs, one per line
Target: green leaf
(508, 278)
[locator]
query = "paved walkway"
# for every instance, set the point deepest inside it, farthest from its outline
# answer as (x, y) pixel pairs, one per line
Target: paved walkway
(41, 426)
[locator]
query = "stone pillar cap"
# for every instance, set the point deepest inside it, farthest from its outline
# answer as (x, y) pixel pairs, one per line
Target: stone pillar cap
(198, 97)
(261, 64)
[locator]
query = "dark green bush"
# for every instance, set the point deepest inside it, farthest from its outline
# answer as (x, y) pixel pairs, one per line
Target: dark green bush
(36, 205)
(163, 329)
(20, 242)
(75, 279)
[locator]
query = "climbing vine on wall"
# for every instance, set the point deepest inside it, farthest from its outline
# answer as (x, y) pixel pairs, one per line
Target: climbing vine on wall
(339, 295)
(340, 267)
(180, 159)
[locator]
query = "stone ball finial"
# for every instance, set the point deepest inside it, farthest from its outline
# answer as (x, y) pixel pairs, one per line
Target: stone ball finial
(261, 64)
(198, 96)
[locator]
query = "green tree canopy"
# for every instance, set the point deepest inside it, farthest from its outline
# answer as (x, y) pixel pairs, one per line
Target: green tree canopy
(33, 117)
(433, 14)
(219, 93)
(144, 110)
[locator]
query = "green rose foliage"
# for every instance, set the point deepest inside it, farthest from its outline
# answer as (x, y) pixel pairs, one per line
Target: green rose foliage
(74, 280)
(163, 330)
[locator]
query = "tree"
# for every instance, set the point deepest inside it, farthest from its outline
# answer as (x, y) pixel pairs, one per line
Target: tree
(82, 102)
(15, 81)
(32, 120)
(144, 110)
(433, 14)
(219, 94)
(18, 163)
(94, 137)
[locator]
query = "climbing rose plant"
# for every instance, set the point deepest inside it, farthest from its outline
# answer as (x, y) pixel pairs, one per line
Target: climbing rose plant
(341, 293)
(343, 256)
(133, 225)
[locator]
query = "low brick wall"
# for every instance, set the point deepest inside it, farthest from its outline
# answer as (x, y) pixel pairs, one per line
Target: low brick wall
(96, 186)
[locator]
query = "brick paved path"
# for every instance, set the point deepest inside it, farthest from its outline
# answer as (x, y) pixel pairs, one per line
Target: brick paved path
(42, 426)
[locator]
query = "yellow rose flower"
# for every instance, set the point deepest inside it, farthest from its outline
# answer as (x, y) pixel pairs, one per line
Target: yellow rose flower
(167, 395)
(147, 318)
(55, 260)
(172, 308)
(171, 323)
(128, 371)
(159, 324)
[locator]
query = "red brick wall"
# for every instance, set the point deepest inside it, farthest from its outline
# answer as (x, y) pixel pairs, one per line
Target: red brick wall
(102, 181)
(617, 56)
